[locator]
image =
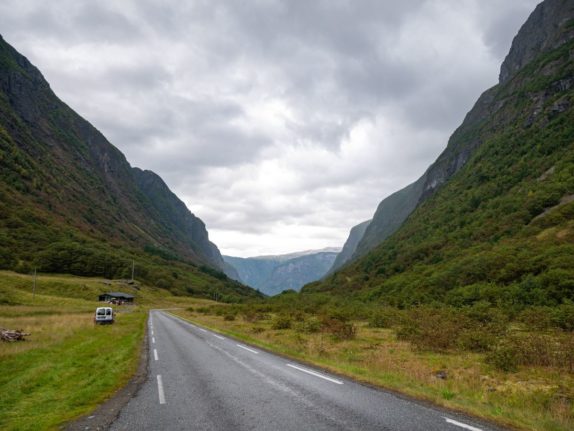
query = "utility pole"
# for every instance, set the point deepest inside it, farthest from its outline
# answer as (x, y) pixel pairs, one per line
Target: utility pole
(34, 287)
(133, 269)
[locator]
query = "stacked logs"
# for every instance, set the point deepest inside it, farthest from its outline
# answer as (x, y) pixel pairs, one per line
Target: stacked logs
(12, 334)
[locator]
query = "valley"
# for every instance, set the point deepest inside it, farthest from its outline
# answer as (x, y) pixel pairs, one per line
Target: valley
(450, 306)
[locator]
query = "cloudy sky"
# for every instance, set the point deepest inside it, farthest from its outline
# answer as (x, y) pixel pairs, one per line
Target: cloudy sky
(280, 123)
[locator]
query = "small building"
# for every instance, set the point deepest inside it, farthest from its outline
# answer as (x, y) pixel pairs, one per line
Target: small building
(116, 297)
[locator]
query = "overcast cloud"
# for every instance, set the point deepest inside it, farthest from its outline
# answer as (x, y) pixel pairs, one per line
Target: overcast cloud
(280, 123)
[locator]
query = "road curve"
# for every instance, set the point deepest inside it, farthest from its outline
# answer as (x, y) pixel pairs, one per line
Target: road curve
(200, 380)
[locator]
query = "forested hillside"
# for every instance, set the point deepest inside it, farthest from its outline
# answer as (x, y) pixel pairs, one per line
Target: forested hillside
(71, 203)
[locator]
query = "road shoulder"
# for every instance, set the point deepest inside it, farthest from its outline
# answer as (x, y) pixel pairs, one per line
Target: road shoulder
(104, 415)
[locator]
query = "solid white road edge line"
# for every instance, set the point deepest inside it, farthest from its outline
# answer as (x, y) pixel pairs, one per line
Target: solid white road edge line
(160, 390)
(218, 336)
(462, 425)
(155, 354)
(313, 373)
(202, 330)
(248, 349)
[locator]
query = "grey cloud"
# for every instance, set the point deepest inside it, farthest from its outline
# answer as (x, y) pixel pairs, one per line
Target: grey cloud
(271, 115)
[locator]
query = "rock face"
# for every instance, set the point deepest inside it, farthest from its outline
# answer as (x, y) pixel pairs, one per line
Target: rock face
(54, 160)
(350, 246)
(548, 27)
(274, 274)
(390, 214)
(173, 212)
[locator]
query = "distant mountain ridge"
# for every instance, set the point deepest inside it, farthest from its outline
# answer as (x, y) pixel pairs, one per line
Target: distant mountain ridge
(274, 274)
(62, 180)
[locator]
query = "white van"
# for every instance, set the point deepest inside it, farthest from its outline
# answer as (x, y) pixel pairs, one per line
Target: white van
(104, 315)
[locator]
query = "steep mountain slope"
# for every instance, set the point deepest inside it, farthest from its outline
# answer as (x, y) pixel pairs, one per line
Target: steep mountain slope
(390, 214)
(350, 245)
(274, 274)
(495, 220)
(70, 201)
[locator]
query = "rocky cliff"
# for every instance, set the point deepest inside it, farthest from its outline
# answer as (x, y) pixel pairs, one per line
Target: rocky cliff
(350, 246)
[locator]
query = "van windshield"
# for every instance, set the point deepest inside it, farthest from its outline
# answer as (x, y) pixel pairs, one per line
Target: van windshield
(101, 312)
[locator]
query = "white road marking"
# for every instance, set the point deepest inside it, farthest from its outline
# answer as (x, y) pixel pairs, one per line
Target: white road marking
(153, 340)
(218, 336)
(248, 349)
(155, 354)
(160, 390)
(152, 332)
(462, 425)
(313, 373)
(202, 330)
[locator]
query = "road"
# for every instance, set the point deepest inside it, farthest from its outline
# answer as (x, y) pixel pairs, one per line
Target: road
(200, 380)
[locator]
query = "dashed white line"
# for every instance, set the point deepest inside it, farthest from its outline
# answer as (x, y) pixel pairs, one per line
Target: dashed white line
(153, 340)
(218, 336)
(202, 330)
(160, 390)
(248, 349)
(313, 373)
(155, 354)
(462, 425)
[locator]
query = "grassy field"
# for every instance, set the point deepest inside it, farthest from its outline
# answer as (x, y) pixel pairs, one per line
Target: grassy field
(67, 366)
(533, 397)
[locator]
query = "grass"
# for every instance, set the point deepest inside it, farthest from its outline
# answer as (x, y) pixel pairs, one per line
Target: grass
(534, 398)
(67, 366)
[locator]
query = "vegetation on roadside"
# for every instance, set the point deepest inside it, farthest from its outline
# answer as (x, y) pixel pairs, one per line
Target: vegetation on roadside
(514, 368)
(67, 366)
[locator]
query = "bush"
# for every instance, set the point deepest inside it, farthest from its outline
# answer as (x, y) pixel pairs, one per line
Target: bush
(563, 316)
(542, 350)
(281, 321)
(384, 318)
(229, 317)
(309, 326)
(432, 329)
(504, 358)
(338, 326)
(23, 267)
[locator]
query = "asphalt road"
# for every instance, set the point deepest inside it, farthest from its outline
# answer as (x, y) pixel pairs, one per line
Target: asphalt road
(199, 380)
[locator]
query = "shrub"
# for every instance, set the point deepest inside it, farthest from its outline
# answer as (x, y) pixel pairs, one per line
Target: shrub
(563, 316)
(338, 326)
(504, 358)
(543, 350)
(229, 317)
(431, 328)
(384, 318)
(281, 321)
(308, 326)
(537, 318)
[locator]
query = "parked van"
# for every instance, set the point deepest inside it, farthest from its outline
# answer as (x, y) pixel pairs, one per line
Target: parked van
(104, 315)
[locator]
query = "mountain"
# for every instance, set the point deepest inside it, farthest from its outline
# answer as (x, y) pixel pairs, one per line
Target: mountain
(274, 274)
(350, 246)
(70, 202)
(495, 218)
